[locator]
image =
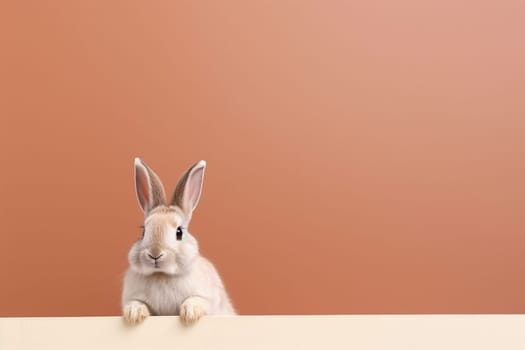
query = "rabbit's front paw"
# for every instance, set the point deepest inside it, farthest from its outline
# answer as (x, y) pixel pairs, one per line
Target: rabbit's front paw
(192, 309)
(135, 312)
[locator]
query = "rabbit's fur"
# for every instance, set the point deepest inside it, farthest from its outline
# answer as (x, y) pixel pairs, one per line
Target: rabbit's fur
(166, 274)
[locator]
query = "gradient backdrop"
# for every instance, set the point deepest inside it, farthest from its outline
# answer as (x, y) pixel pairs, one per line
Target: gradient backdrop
(363, 156)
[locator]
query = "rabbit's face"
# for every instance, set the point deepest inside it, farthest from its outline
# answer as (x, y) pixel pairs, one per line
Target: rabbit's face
(166, 246)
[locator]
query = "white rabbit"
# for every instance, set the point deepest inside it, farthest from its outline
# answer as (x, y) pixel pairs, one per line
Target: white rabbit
(166, 274)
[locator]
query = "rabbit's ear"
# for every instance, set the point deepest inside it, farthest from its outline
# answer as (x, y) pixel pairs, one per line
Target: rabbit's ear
(149, 189)
(189, 188)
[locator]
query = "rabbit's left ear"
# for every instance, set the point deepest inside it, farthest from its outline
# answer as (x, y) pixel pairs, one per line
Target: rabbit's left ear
(189, 188)
(148, 187)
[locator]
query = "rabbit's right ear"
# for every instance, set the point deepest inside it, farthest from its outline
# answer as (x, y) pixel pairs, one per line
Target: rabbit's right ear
(189, 188)
(149, 189)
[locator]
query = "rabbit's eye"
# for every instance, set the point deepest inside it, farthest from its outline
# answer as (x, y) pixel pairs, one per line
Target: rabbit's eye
(143, 230)
(179, 233)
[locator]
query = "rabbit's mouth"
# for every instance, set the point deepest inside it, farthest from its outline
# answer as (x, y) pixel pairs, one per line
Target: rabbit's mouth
(154, 269)
(157, 264)
(164, 267)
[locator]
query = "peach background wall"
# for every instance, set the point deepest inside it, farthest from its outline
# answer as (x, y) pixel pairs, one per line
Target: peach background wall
(363, 156)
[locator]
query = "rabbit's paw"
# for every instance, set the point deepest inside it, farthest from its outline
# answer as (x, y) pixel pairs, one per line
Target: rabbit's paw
(192, 309)
(135, 312)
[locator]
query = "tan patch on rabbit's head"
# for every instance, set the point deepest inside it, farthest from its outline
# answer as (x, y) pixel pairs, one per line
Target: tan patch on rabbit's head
(157, 221)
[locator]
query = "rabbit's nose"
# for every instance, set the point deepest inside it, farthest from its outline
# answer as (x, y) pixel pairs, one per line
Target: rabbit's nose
(155, 257)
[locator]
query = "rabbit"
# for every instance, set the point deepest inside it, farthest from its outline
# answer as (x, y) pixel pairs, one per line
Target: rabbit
(166, 273)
